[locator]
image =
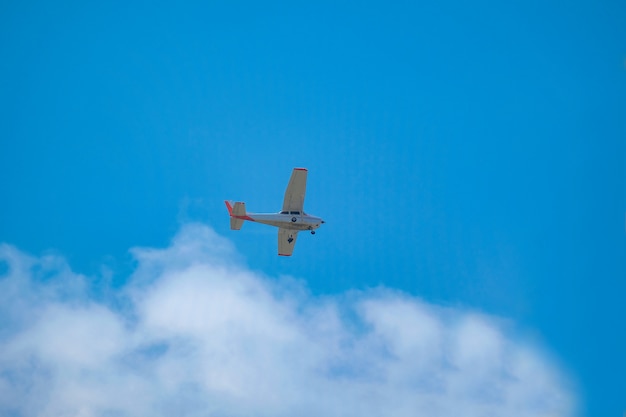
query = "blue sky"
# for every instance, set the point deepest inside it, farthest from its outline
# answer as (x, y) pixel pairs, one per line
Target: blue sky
(470, 155)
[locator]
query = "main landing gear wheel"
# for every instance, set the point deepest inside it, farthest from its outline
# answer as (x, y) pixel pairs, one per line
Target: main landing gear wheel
(312, 232)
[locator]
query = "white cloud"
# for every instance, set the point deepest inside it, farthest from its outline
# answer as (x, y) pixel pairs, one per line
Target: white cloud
(195, 333)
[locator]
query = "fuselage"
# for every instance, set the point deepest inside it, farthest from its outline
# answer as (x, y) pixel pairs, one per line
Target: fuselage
(294, 220)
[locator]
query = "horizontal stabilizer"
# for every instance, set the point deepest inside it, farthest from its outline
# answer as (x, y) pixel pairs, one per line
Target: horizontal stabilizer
(235, 223)
(239, 209)
(237, 214)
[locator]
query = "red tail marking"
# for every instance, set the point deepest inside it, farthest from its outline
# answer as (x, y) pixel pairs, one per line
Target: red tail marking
(243, 217)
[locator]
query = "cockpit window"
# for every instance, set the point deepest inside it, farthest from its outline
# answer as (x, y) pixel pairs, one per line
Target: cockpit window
(284, 212)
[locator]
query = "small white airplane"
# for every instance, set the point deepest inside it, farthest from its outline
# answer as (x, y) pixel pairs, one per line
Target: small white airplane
(290, 220)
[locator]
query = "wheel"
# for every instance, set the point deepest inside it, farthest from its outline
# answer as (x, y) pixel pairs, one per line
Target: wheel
(293, 219)
(312, 232)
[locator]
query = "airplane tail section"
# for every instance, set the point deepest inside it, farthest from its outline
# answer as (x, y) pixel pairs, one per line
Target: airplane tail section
(237, 214)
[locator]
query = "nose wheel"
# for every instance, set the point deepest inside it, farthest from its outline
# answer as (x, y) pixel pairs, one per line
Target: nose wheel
(312, 232)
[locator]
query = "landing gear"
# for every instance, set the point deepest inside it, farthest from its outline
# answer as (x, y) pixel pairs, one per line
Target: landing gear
(312, 232)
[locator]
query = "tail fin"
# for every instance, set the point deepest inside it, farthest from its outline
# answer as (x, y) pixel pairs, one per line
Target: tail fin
(236, 213)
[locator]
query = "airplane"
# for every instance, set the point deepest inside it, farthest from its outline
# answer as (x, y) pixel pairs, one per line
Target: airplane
(290, 220)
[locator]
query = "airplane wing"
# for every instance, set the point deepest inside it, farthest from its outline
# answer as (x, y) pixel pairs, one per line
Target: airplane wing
(286, 241)
(294, 196)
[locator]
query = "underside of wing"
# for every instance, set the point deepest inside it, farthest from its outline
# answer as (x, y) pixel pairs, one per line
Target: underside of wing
(294, 196)
(286, 241)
